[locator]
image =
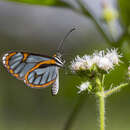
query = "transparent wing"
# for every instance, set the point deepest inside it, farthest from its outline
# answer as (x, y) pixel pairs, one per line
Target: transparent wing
(20, 63)
(41, 77)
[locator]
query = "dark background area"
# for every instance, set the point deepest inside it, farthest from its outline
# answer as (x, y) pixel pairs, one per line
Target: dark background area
(39, 29)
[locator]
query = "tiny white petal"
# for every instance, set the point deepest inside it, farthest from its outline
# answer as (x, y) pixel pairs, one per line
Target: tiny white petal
(79, 59)
(83, 87)
(105, 64)
(78, 64)
(113, 56)
(96, 59)
(101, 53)
(88, 61)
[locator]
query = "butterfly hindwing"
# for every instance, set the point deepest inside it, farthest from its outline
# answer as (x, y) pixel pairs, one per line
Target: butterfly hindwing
(32, 68)
(41, 76)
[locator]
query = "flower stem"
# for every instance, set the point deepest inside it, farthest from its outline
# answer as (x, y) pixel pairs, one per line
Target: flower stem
(102, 109)
(75, 112)
(115, 89)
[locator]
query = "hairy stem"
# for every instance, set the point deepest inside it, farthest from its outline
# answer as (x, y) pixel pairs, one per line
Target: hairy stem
(115, 89)
(102, 113)
(102, 109)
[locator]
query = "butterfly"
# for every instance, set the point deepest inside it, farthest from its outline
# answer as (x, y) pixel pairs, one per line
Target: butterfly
(37, 71)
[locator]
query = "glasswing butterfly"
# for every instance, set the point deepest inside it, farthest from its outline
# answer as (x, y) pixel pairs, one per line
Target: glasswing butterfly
(37, 71)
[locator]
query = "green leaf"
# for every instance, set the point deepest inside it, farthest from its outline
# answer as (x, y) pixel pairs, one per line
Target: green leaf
(44, 2)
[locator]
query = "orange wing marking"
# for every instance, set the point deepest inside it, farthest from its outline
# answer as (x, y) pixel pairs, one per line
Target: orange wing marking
(7, 64)
(54, 55)
(39, 86)
(25, 55)
(7, 59)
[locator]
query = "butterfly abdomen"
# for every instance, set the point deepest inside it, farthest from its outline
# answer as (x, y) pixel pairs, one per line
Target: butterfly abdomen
(55, 85)
(54, 89)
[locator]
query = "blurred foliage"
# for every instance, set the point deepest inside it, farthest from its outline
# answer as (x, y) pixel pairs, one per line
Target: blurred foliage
(44, 2)
(124, 7)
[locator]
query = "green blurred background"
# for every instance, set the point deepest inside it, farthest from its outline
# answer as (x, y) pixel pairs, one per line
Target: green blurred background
(39, 29)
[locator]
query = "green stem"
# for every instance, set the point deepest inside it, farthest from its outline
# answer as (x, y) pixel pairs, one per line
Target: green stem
(75, 112)
(115, 89)
(102, 109)
(88, 13)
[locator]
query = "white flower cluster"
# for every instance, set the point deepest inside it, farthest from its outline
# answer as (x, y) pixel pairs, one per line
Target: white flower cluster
(83, 87)
(104, 61)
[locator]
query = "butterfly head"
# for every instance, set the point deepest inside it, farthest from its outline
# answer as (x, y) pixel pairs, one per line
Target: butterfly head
(59, 60)
(58, 57)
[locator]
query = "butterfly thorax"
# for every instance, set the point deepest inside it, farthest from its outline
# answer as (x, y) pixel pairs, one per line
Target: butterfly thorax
(59, 61)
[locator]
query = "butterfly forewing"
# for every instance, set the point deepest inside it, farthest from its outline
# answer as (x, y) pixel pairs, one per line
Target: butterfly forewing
(36, 70)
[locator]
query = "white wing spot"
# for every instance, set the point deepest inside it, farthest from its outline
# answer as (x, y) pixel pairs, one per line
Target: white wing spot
(24, 81)
(4, 62)
(4, 57)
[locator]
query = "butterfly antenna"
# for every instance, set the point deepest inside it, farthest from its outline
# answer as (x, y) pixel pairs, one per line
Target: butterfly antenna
(61, 43)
